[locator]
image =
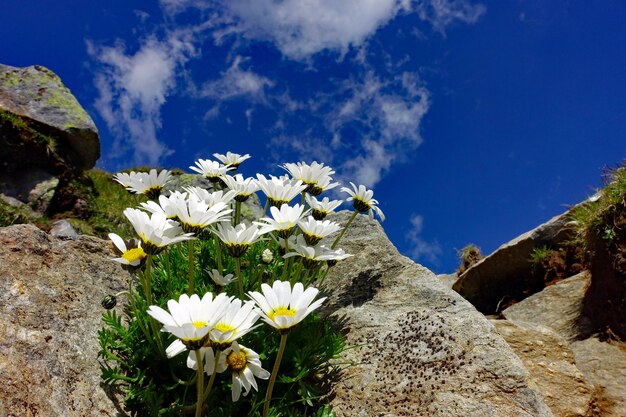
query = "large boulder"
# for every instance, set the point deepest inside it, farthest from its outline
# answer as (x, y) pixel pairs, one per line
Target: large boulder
(604, 365)
(552, 368)
(559, 307)
(507, 273)
(425, 351)
(50, 292)
(44, 132)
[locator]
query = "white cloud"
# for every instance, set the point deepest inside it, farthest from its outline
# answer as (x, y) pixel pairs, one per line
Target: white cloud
(132, 88)
(388, 115)
(301, 28)
(236, 82)
(441, 13)
(420, 248)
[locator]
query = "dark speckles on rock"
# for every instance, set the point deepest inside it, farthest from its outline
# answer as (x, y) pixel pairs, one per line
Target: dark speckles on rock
(426, 351)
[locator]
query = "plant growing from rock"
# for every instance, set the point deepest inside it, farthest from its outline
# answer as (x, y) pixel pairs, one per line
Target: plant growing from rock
(599, 226)
(469, 255)
(203, 282)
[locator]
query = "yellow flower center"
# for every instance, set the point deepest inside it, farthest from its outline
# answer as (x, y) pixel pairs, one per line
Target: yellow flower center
(199, 324)
(133, 255)
(237, 361)
(224, 328)
(281, 311)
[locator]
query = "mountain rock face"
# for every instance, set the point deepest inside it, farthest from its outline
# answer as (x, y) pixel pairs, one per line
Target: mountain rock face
(45, 134)
(426, 351)
(506, 274)
(50, 292)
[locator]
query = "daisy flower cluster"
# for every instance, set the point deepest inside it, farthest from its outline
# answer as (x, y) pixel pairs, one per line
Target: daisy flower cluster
(239, 275)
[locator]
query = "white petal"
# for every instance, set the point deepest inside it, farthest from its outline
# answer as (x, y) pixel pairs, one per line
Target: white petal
(175, 348)
(161, 315)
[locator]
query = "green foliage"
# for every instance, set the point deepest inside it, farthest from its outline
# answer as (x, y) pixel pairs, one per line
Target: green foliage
(597, 216)
(106, 203)
(10, 215)
(156, 386)
(539, 255)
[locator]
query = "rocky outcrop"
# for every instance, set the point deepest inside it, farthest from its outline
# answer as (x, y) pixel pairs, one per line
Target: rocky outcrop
(559, 307)
(604, 365)
(552, 368)
(507, 273)
(425, 350)
(44, 132)
(50, 291)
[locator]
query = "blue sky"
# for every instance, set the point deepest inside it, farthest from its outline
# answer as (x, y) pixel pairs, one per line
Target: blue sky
(473, 121)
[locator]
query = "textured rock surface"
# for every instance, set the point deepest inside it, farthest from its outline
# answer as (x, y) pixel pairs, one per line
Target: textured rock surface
(50, 292)
(604, 365)
(36, 95)
(552, 368)
(428, 352)
(506, 273)
(558, 307)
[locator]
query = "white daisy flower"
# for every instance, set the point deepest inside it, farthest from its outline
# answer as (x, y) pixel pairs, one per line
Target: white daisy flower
(322, 208)
(190, 319)
(156, 231)
(283, 308)
(131, 252)
(195, 215)
(238, 238)
(283, 221)
(212, 198)
(311, 255)
(362, 200)
(212, 170)
(242, 187)
(219, 279)
(236, 321)
(316, 230)
(279, 191)
(245, 365)
(231, 159)
(148, 183)
(316, 176)
(166, 205)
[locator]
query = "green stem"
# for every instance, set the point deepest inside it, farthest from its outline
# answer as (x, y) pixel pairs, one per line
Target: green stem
(147, 285)
(199, 383)
(212, 379)
(270, 386)
(191, 284)
(237, 212)
(239, 277)
(344, 230)
(324, 276)
(218, 254)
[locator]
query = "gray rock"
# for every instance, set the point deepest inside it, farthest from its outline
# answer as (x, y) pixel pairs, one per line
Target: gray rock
(63, 230)
(604, 365)
(448, 279)
(552, 368)
(559, 307)
(427, 351)
(506, 273)
(50, 293)
(35, 103)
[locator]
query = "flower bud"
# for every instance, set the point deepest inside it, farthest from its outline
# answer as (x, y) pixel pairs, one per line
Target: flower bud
(267, 256)
(109, 302)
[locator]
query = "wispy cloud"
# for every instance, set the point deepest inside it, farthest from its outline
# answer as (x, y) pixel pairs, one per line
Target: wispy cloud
(441, 13)
(133, 86)
(302, 28)
(420, 249)
(236, 82)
